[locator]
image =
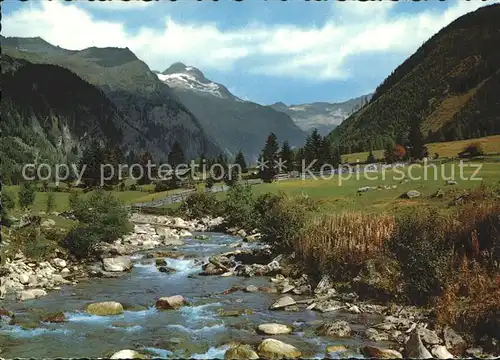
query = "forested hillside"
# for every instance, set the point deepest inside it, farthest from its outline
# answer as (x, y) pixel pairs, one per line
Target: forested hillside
(147, 103)
(450, 85)
(46, 123)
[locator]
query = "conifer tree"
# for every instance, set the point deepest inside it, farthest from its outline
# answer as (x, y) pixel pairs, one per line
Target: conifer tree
(416, 139)
(240, 160)
(269, 157)
(312, 149)
(175, 158)
(91, 161)
(287, 156)
(144, 159)
(371, 158)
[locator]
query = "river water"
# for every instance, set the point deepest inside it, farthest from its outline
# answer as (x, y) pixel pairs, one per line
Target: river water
(195, 331)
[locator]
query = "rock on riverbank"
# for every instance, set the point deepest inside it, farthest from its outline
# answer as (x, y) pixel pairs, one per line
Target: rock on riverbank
(29, 279)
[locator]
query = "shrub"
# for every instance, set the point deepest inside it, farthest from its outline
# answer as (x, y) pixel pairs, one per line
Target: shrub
(105, 211)
(73, 198)
(371, 158)
(102, 218)
(339, 244)
(478, 230)
(420, 245)
(133, 187)
(239, 207)
(122, 186)
(281, 219)
(49, 206)
(81, 241)
(8, 204)
(161, 186)
(27, 194)
(34, 242)
(200, 204)
(471, 301)
(472, 150)
(209, 183)
(45, 186)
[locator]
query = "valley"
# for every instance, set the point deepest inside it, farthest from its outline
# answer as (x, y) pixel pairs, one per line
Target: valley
(197, 223)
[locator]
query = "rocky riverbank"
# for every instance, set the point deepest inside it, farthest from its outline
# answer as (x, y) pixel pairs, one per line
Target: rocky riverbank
(398, 330)
(411, 330)
(28, 279)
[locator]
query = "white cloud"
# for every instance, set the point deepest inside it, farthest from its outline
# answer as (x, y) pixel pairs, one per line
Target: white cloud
(312, 53)
(115, 5)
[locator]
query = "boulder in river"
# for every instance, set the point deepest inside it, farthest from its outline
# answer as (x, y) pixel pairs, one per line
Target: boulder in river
(336, 349)
(415, 349)
(252, 238)
(58, 317)
(274, 329)
(275, 349)
(287, 288)
(380, 353)
(242, 233)
(117, 264)
(160, 261)
(329, 305)
(127, 354)
(241, 352)
(105, 308)
(234, 313)
(337, 328)
(166, 269)
(376, 336)
(283, 302)
(170, 302)
(251, 289)
(211, 269)
(6, 317)
(30, 294)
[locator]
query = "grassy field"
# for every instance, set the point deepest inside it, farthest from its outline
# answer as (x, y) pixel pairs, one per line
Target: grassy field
(338, 195)
(450, 149)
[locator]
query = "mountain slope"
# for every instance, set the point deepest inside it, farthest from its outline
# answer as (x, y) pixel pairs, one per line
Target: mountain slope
(147, 103)
(234, 123)
(47, 124)
(321, 115)
(450, 84)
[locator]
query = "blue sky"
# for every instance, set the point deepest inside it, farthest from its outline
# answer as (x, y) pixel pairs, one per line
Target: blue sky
(293, 51)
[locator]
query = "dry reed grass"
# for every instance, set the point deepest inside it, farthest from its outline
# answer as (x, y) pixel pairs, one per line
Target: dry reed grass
(337, 243)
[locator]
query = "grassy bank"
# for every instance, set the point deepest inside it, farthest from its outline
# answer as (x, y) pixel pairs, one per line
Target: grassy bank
(449, 149)
(341, 194)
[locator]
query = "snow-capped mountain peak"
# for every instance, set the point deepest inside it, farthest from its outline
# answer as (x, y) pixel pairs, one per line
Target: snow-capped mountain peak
(185, 77)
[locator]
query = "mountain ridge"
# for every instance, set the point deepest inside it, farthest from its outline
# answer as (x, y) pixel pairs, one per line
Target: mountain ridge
(237, 124)
(148, 103)
(321, 115)
(448, 85)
